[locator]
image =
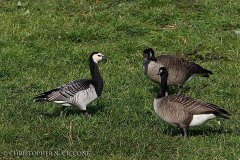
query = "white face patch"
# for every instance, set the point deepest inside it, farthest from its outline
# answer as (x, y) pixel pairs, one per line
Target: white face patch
(97, 57)
(150, 54)
(160, 70)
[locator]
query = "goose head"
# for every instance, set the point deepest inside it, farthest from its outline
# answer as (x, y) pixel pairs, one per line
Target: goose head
(148, 54)
(97, 56)
(163, 73)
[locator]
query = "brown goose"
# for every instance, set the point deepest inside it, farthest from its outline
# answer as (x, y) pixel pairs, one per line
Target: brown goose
(180, 70)
(78, 93)
(182, 111)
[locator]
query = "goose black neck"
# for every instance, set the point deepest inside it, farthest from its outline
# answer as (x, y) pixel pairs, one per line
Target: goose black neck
(163, 86)
(94, 70)
(97, 80)
(154, 58)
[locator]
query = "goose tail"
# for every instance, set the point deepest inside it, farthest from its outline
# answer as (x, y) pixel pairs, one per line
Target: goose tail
(223, 114)
(43, 96)
(206, 73)
(196, 69)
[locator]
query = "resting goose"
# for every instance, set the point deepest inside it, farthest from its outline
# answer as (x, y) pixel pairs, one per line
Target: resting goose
(180, 70)
(78, 93)
(182, 111)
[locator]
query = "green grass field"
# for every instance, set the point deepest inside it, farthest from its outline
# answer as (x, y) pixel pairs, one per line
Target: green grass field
(44, 44)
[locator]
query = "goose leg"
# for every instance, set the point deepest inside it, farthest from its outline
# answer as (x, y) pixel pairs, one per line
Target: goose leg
(180, 90)
(85, 113)
(61, 113)
(184, 131)
(166, 93)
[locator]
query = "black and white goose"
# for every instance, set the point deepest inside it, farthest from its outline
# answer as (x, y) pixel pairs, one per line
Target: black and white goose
(180, 70)
(182, 111)
(78, 93)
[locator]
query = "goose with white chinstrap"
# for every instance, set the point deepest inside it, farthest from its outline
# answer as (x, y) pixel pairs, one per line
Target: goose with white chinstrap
(78, 93)
(182, 111)
(180, 70)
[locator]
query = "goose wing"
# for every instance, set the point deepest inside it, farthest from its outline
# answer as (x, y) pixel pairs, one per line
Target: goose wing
(192, 67)
(195, 106)
(196, 69)
(169, 60)
(65, 91)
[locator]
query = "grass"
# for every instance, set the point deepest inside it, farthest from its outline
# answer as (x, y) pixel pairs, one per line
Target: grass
(49, 44)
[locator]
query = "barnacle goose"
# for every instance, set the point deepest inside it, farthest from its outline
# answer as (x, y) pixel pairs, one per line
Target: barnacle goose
(182, 111)
(180, 70)
(78, 93)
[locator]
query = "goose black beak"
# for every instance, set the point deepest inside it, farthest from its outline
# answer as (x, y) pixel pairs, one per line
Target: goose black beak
(104, 58)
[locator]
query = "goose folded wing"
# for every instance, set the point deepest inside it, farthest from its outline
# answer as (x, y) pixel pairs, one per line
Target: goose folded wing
(66, 91)
(195, 106)
(208, 108)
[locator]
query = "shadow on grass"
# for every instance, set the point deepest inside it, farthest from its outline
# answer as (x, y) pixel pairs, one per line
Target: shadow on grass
(172, 131)
(71, 111)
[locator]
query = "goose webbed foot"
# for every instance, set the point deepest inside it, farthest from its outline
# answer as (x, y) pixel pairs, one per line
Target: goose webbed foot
(85, 113)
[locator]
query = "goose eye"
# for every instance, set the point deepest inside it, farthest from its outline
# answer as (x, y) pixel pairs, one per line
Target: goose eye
(99, 55)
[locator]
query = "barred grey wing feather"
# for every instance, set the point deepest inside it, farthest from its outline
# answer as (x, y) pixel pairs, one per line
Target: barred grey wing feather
(70, 89)
(75, 86)
(64, 92)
